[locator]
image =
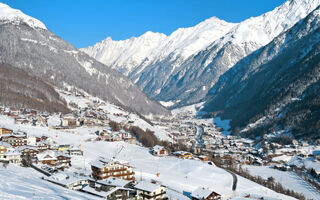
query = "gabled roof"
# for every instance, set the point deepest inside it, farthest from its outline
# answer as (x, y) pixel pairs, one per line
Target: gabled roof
(49, 155)
(201, 193)
(158, 148)
(65, 179)
(113, 181)
(147, 186)
(101, 162)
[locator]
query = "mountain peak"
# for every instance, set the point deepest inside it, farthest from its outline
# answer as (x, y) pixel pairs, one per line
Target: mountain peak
(215, 20)
(16, 16)
(264, 28)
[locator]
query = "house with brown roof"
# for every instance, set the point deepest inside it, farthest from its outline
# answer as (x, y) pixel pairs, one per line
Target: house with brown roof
(5, 131)
(15, 140)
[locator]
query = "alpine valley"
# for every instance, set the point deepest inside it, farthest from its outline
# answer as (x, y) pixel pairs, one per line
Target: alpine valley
(216, 111)
(180, 68)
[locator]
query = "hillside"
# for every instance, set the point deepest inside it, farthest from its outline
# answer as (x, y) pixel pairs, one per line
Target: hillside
(279, 81)
(20, 90)
(41, 53)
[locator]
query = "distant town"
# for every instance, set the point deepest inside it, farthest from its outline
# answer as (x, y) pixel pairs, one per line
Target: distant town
(189, 138)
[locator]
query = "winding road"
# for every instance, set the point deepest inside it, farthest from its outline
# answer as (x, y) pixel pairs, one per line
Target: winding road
(235, 180)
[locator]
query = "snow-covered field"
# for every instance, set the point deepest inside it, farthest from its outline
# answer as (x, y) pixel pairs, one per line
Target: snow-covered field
(177, 174)
(288, 179)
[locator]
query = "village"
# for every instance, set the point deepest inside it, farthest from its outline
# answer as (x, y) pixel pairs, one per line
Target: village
(110, 178)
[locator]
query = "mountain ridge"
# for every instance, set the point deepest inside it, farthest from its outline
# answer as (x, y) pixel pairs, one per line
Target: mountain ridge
(279, 82)
(185, 80)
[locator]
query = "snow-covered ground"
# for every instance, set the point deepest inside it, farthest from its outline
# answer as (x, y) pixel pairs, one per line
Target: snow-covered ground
(289, 180)
(25, 183)
(114, 113)
(177, 174)
(192, 109)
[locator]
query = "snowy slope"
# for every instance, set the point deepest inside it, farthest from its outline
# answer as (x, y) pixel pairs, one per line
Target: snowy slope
(112, 111)
(279, 81)
(41, 53)
(8, 14)
(263, 29)
(152, 47)
(200, 72)
(180, 175)
(25, 183)
(289, 180)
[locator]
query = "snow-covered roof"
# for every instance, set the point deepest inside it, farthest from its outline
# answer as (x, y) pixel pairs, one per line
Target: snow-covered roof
(27, 147)
(52, 155)
(147, 186)
(5, 145)
(12, 135)
(74, 148)
(181, 153)
(59, 176)
(97, 164)
(93, 191)
(43, 142)
(65, 179)
(101, 162)
(157, 148)
(203, 156)
(113, 181)
(201, 193)
(48, 155)
(12, 153)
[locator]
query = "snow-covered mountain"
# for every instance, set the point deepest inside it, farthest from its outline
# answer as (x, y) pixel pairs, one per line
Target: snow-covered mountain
(28, 45)
(15, 16)
(181, 68)
(20, 90)
(279, 83)
(127, 55)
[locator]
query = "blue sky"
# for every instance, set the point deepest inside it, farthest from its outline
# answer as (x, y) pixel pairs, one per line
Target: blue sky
(85, 22)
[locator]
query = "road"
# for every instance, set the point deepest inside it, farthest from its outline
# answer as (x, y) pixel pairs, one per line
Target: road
(235, 180)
